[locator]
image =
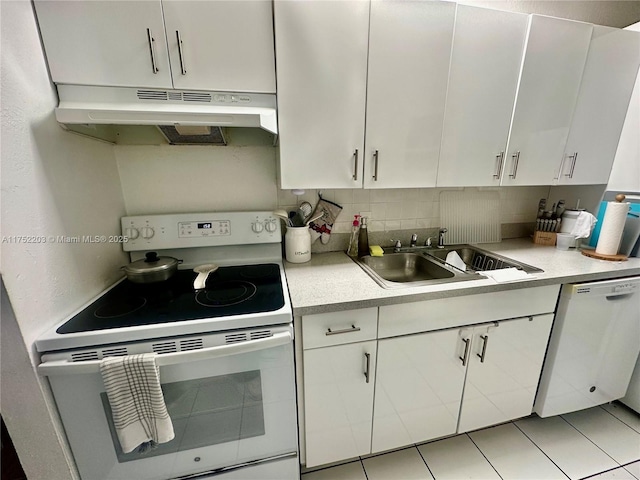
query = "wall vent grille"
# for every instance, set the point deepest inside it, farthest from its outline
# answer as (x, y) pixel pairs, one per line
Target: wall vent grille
(175, 96)
(196, 97)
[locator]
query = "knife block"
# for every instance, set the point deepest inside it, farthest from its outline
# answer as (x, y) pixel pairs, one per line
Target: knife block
(544, 238)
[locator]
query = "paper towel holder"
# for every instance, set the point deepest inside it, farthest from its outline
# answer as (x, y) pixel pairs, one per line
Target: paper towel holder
(601, 256)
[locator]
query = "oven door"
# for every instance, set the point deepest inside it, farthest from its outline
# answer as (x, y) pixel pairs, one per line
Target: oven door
(230, 405)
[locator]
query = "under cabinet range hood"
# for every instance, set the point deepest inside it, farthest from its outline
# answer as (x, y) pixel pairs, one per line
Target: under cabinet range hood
(90, 105)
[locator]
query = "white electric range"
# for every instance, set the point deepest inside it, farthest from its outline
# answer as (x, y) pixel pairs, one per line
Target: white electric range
(225, 354)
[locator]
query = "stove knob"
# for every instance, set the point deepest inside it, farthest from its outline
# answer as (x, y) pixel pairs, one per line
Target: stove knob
(132, 233)
(147, 232)
(271, 226)
(257, 227)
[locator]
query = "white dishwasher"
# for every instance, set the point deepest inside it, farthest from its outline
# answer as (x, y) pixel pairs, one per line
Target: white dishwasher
(593, 348)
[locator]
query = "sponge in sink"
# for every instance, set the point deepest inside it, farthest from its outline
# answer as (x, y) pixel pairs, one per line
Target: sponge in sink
(376, 251)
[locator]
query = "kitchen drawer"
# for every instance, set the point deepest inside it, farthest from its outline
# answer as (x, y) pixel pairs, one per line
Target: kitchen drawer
(442, 313)
(338, 328)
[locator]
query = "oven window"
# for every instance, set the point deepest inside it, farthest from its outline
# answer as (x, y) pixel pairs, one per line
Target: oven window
(205, 412)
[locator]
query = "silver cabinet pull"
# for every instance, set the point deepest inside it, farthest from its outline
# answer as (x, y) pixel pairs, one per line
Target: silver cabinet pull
(573, 164)
(152, 51)
(375, 166)
(485, 340)
(465, 356)
(368, 366)
(499, 159)
(183, 69)
(346, 330)
(516, 159)
(355, 166)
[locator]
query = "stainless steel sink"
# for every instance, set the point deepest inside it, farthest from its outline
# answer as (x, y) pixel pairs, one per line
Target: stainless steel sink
(408, 269)
(478, 260)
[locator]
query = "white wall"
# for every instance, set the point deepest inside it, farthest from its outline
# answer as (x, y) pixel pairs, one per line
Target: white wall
(53, 183)
(625, 174)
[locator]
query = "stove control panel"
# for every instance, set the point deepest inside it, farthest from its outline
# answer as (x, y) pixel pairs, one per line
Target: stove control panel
(185, 230)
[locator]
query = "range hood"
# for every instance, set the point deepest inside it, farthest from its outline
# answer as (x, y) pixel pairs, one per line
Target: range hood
(90, 105)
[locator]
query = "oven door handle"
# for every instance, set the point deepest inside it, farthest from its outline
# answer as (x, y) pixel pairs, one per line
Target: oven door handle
(64, 367)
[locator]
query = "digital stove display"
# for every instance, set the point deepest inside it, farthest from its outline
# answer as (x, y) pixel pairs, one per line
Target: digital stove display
(229, 291)
(204, 229)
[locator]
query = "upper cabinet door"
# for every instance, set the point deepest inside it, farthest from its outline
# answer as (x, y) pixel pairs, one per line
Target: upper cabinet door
(409, 53)
(105, 43)
(321, 56)
(554, 60)
(607, 85)
(485, 65)
(221, 45)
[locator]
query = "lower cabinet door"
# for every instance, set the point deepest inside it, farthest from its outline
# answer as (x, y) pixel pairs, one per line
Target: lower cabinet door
(503, 372)
(338, 396)
(418, 387)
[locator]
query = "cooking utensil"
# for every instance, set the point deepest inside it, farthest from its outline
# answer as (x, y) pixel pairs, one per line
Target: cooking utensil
(203, 272)
(314, 218)
(306, 209)
(284, 216)
(298, 218)
(151, 269)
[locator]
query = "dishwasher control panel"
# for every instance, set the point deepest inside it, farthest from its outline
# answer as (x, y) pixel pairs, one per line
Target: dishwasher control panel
(619, 286)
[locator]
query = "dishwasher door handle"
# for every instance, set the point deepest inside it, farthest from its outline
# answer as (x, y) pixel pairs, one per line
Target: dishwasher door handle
(615, 298)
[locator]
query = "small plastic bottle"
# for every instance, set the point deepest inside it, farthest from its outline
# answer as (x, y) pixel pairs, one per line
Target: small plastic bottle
(363, 238)
(352, 251)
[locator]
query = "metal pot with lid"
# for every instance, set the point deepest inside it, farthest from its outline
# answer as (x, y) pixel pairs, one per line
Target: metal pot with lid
(151, 269)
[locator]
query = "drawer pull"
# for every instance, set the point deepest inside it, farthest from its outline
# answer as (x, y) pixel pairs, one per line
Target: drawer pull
(345, 330)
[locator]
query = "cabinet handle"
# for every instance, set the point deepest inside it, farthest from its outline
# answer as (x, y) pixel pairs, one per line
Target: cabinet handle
(183, 70)
(355, 166)
(368, 366)
(375, 166)
(346, 330)
(152, 51)
(465, 356)
(573, 164)
(485, 340)
(516, 159)
(499, 159)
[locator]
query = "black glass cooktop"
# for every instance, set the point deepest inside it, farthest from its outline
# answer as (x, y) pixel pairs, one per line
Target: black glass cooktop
(236, 290)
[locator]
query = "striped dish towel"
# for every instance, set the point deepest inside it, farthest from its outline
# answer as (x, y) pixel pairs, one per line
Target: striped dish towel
(140, 416)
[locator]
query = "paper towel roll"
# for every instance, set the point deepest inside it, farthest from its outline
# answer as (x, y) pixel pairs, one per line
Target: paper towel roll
(612, 227)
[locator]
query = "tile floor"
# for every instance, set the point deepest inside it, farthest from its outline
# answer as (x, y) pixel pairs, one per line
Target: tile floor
(600, 443)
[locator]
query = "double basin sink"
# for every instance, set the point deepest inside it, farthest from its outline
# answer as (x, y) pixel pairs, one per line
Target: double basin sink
(418, 266)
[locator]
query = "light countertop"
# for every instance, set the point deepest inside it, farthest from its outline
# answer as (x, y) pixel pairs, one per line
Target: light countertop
(333, 282)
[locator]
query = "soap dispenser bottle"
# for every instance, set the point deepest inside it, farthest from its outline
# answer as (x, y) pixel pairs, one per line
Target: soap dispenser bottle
(363, 238)
(352, 251)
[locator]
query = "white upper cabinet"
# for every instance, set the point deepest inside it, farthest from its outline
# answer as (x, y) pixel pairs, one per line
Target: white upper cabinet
(105, 43)
(554, 60)
(485, 65)
(321, 52)
(409, 53)
(607, 85)
(221, 45)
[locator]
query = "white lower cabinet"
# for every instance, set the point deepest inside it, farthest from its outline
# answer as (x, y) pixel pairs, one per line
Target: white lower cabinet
(419, 386)
(338, 392)
(504, 362)
(434, 384)
(339, 360)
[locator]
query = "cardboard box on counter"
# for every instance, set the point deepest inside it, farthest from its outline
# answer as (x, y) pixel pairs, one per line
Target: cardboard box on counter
(544, 238)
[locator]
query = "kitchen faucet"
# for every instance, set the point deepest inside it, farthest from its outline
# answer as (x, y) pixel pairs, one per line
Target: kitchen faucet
(414, 240)
(441, 233)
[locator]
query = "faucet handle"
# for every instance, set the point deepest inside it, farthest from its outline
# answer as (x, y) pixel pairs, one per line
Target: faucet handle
(397, 244)
(427, 242)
